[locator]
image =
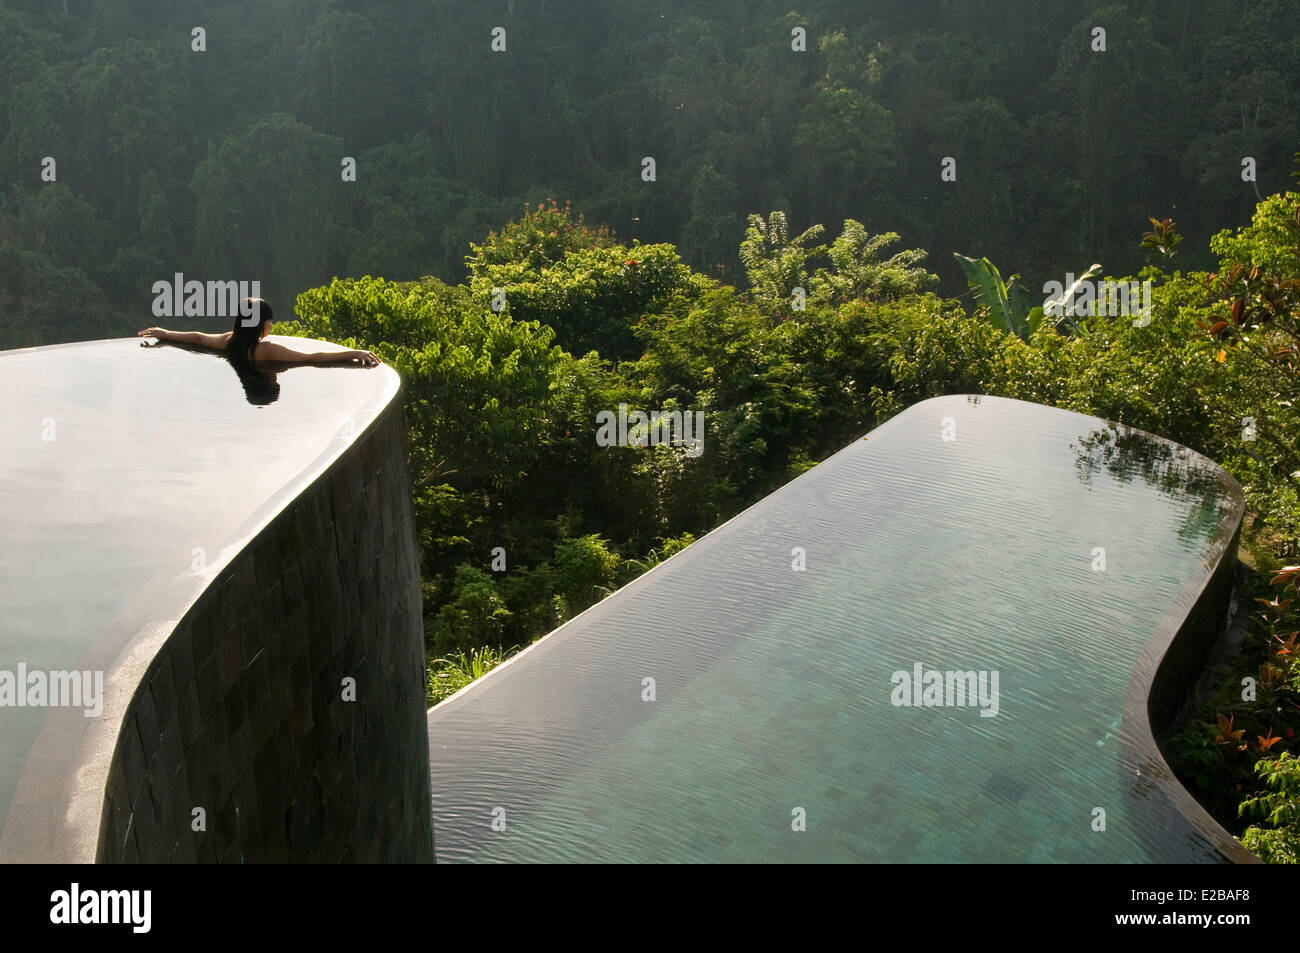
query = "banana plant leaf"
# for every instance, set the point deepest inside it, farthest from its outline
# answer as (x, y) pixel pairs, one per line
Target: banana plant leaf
(1008, 302)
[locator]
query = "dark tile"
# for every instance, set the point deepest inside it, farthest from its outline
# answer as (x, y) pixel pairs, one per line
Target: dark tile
(191, 712)
(233, 710)
(282, 696)
(180, 782)
(135, 765)
(245, 798)
(276, 846)
(129, 850)
(111, 823)
(230, 658)
(252, 637)
(249, 714)
(273, 609)
(295, 592)
(241, 751)
(180, 648)
(296, 830)
(170, 756)
(162, 687)
(145, 822)
(244, 576)
(147, 723)
(1005, 788)
(225, 772)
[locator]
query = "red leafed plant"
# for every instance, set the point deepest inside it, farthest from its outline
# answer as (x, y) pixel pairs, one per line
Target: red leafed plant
(1227, 737)
(1267, 741)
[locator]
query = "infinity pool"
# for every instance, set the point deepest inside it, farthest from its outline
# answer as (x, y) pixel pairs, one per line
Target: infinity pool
(772, 728)
(131, 474)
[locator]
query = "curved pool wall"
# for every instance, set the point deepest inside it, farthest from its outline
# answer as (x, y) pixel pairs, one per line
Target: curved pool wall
(238, 560)
(728, 706)
(1162, 695)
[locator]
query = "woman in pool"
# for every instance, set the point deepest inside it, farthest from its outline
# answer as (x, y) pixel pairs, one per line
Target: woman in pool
(245, 343)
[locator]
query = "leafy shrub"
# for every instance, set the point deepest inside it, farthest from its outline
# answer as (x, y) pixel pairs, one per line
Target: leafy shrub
(1279, 843)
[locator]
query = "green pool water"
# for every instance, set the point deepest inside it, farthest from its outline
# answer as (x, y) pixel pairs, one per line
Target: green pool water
(773, 689)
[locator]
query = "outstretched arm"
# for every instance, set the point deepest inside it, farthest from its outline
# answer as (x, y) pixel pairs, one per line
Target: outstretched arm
(274, 351)
(215, 341)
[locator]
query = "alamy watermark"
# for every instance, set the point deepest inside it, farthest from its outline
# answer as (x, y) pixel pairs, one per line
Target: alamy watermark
(55, 689)
(641, 429)
(200, 299)
(81, 906)
(1086, 298)
(935, 689)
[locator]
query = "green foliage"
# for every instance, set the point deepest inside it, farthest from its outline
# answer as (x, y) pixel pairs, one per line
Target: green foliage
(667, 548)
(342, 78)
(586, 569)
(575, 280)
(1238, 737)
(475, 615)
(1203, 766)
(543, 237)
(228, 171)
(1162, 242)
(396, 236)
(775, 263)
(260, 201)
(859, 273)
(709, 236)
(1007, 303)
(1280, 807)
(1064, 308)
(478, 388)
(1251, 329)
(448, 137)
(1267, 243)
(502, 419)
(449, 675)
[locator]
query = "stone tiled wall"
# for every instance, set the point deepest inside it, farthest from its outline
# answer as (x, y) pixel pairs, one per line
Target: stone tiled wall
(1173, 692)
(242, 713)
(1161, 697)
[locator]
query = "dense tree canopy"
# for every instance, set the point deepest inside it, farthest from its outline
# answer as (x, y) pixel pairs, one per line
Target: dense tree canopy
(769, 190)
(226, 162)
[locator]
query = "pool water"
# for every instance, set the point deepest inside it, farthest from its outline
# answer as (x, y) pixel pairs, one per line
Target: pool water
(130, 475)
(772, 735)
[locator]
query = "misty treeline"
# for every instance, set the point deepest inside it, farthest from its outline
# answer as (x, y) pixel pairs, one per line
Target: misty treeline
(228, 162)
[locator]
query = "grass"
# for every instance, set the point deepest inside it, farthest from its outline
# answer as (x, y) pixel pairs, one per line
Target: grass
(450, 674)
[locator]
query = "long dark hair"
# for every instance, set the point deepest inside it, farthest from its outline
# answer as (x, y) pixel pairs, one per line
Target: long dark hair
(260, 386)
(246, 335)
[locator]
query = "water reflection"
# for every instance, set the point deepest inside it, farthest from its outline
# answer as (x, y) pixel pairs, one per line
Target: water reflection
(1175, 471)
(260, 381)
(770, 680)
(261, 386)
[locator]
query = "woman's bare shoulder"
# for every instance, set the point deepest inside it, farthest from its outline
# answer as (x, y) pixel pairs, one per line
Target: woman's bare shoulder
(268, 350)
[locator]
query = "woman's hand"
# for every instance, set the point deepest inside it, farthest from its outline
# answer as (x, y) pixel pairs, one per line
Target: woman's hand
(159, 333)
(366, 358)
